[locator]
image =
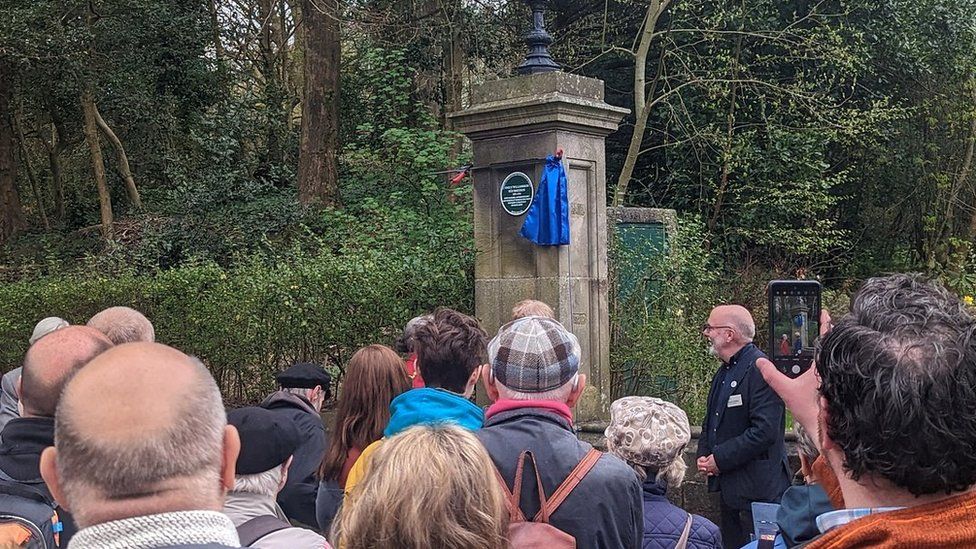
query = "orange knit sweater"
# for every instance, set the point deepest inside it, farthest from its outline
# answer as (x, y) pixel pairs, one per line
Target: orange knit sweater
(946, 524)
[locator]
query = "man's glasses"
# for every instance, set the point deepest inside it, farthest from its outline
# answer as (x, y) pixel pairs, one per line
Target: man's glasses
(708, 327)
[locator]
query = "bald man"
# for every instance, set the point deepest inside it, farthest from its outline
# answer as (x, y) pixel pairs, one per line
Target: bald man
(143, 454)
(741, 448)
(48, 365)
(123, 325)
(10, 383)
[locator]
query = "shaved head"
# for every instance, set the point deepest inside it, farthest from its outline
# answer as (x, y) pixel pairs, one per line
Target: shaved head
(729, 329)
(123, 325)
(51, 361)
(739, 318)
(140, 430)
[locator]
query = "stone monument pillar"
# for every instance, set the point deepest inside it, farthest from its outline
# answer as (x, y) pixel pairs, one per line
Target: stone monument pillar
(513, 124)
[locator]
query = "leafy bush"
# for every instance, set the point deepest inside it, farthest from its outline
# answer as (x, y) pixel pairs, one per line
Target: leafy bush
(656, 344)
(248, 321)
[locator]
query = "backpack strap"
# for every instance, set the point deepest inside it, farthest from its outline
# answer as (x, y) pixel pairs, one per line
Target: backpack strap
(562, 492)
(512, 496)
(252, 530)
(685, 534)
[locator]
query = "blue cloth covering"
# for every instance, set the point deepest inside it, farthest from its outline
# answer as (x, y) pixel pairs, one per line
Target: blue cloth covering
(547, 221)
(425, 406)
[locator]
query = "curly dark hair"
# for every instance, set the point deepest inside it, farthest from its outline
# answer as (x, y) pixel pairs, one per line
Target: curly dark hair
(449, 347)
(898, 374)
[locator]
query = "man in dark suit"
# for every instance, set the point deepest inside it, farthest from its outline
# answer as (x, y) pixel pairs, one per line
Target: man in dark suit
(741, 447)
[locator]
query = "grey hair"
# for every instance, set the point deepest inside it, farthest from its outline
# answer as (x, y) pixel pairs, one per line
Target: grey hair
(266, 483)
(672, 475)
(190, 449)
(805, 445)
(123, 325)
(559, 394)
(300, 391)
(746, 328)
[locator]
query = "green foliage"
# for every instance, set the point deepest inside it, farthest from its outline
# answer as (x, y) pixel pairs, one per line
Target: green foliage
(250, 320)
(657, 348)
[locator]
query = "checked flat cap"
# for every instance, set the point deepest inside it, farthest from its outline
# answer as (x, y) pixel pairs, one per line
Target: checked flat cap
(534, 354)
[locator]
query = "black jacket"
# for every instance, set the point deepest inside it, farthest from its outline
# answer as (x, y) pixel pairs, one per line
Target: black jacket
(297, 498)
(605, 509)
(746, 438)
(24, 438)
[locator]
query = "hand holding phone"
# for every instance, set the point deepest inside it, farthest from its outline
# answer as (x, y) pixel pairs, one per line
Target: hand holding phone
(794, 324)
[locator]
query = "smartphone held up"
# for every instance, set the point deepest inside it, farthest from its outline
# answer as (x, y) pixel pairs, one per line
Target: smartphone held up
(794, 324)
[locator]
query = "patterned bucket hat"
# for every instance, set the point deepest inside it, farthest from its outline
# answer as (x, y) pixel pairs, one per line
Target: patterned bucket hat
(647, 431)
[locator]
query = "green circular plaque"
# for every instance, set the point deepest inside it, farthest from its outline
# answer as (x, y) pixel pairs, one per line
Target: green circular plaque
(516, 193)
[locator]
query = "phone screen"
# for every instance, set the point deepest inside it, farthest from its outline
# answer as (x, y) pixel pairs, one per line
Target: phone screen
(794, 314)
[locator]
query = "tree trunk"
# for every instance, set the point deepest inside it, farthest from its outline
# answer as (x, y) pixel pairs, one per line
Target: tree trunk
(453, 66)
(31, 176)
(215, 29)
(641, 96)
(967, 164)
(723, 183)
(11, 213)
(54, 149)
(318, 174)
(98, 164)
(56, 145)
(123, 160)
(453, 62)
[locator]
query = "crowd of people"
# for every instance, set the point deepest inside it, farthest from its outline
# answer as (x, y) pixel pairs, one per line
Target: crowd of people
(111, 440)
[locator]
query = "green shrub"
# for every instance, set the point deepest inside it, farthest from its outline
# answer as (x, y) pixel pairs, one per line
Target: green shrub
(248, 321)
(656, 344)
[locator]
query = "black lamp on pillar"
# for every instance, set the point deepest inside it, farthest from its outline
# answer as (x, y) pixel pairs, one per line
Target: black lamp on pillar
(538, 59)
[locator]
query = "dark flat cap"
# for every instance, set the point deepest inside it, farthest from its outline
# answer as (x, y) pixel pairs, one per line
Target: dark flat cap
(267, 439)
(304, 375)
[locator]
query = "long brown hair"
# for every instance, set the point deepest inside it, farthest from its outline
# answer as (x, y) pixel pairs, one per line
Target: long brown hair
(374, 376)
(429, 487)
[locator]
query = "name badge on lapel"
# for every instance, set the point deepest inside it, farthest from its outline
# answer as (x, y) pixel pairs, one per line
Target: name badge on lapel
(735, 400)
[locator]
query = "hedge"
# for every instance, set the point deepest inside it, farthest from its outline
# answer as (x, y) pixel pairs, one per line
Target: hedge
(249, 321)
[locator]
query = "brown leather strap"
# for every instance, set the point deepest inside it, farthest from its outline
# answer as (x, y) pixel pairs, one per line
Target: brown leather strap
(568, 485)
(512, 496)
(543, 515)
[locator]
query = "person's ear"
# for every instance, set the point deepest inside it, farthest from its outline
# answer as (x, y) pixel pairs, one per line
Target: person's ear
(472, 381)
(488, 380)
(577, 392)
(49, 472)
(232, 448)
(284, 471)
(20, 400)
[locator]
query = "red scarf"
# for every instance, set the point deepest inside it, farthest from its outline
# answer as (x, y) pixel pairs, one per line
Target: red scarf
(558, 408)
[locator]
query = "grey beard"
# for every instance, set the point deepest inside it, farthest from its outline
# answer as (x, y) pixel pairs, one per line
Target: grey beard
(711, 350)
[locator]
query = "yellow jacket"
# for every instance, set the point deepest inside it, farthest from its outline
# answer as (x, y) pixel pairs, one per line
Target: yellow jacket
(358, 471)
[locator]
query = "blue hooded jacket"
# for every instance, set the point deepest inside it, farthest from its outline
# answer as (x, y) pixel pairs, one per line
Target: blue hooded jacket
(425, 406)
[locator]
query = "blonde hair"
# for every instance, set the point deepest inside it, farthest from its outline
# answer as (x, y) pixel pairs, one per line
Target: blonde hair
(672, 475)
(429, 487)
(532, 307)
